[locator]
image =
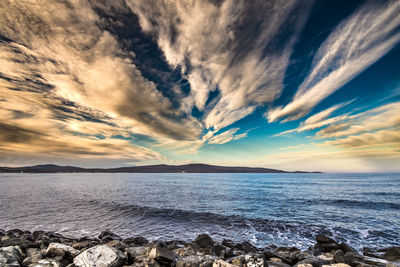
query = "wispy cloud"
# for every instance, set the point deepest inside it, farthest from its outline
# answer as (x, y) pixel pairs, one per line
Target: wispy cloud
(235, 47)
(352, 47)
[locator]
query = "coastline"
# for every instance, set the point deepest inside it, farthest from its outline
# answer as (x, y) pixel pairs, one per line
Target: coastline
(49, 249)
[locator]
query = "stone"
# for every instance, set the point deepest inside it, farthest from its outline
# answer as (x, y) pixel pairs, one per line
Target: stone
(137, 240)
(219, 250)
(314, 261)
(338, 256)
(161, 255)
(116, 244)
(57, 249)
(275, 259)
(248, 247)
(337, 265)
(196, 261)
(271, 263)
(221, 263)
(269, 254)
(204, 241)
(346, 248)
(108, 236)
(14, 232)
(228, 243)
(392, 254)
(45, 263)
(324, 239)
(352, 258)
(10, 256)
(83, 244)
(2, 233)
(14, 241)
(327, 257)
(100, 256)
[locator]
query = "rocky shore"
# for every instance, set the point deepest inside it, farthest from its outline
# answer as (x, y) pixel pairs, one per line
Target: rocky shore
(48, 249)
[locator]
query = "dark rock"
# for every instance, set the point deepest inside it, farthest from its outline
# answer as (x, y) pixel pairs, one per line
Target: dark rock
(338, 256)
(116, 244)
(175, 244)
(352, 259)
(162, 255)
(83, 244)
(219, 251)
(269, 254)
(204, 241)
(346, 248)
(2, 233)
(22, 243)
(276, 264)
(228, 243)
(248, 247)
(392, 254)
(324, 239)
(314, 261)
(14, 232)
(46, 263)
(137, 241)
(38, 235)
(107, 236)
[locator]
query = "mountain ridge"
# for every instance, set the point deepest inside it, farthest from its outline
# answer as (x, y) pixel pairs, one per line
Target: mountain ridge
(159, 168)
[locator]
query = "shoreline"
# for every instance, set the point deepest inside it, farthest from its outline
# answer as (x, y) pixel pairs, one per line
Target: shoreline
(49, 249)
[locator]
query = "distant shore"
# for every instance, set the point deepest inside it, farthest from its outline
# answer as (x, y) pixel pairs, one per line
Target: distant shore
(162, 168)
(45, 249)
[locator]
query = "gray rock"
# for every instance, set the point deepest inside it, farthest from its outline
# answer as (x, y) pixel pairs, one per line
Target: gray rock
(108, 236)
(228, 243)
(196, 261)
(161, 255)
(338, 256)
(46, 263)
(7, 241)
(221, 263)
(204, 241)
(324, 239)
(100, 256)
(314, 261)
(137, 241)
(10, 256)
(353, 259)
(392, 254)
(276, 264)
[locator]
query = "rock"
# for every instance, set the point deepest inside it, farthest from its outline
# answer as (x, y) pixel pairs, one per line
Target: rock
(14, 241)
(107, 236)
(324, 239)
(196, 261)
(137, 240)
(34, 255)
(45, 263)
(248, 247)
(338, 256)
(346, 248)
(276, 264)
(219, 250)
(204, 241)
(57, 249)
(228, 243)
(328, 257)
(83, 244)
(2, 233)
(161, 255)
(275, 259)
(100, 256)
(135, 252)
(337, 265)
(392, 254)
(221, 263)
(352, 259)
(116, 244)
(10, 256)
(14, 232)
(269, 254)
(314, 261)
(393, 264)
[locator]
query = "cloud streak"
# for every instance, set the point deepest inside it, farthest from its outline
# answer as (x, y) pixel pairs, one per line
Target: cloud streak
(352, 47)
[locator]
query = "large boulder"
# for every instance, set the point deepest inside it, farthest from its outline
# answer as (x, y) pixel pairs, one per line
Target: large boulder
(136, 241)
(162, 255)
(10, 256)
(392, 253)
(204, 241)
(100, 256)
(325, 244)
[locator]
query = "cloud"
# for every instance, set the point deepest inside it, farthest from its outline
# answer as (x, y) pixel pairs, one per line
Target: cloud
(59, 69)
(226, 137)
(352, 47)
(236, 47)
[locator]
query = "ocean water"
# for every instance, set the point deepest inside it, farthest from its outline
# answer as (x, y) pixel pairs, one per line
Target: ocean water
(280, 209)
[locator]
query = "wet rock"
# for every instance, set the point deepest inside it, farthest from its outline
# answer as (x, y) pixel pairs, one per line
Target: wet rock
(100, 255)
(228, 243)
(346, 248)
(57, 249)
(161, 255)
(219, 250)
(269, 254)
(10, 256)
(248, 247)
(2, 233)
(136, 241)
(325, 244)
(328, 257)
(116, 244)
(204, 241)
(107, 236)
(14, 241)
(324, 239)
(33, 255)
(83, 244)
(135, 252)
(14, 232)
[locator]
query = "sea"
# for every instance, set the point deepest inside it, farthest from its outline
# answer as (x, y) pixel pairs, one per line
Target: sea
(286, 209)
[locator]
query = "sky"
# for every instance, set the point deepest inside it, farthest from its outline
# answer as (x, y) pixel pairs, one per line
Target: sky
(292, 85)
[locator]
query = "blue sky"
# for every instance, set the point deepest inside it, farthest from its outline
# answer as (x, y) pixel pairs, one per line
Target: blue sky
(293, 85)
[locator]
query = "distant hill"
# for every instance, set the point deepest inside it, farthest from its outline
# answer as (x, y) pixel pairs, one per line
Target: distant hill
(162, 168)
